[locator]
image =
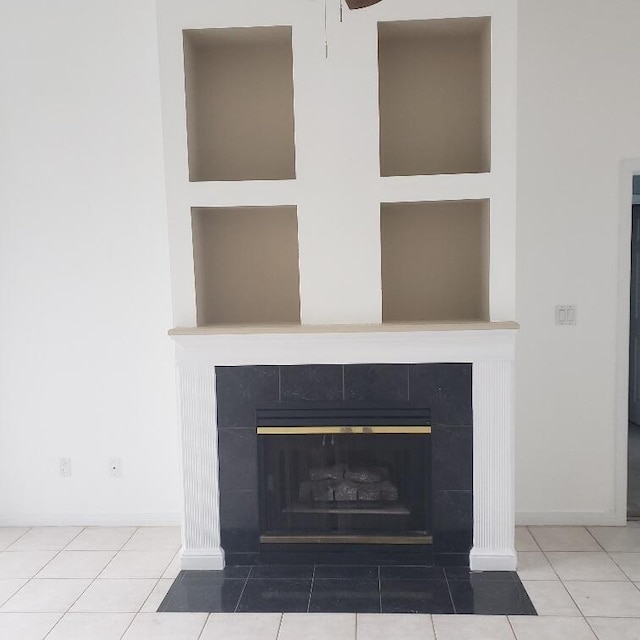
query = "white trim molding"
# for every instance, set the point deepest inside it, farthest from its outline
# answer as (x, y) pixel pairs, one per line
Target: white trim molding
(491, 352)
(90, 519)
(567, 518)
(628, 169)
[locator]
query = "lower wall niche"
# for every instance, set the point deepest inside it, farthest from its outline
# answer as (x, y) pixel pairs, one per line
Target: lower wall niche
(445, 389)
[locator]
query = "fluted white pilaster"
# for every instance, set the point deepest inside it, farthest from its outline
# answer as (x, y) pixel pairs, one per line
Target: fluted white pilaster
(201, 529)
(493, 467)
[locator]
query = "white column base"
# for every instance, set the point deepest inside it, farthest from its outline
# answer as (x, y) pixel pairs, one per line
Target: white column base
(493, 560)
(202, 559)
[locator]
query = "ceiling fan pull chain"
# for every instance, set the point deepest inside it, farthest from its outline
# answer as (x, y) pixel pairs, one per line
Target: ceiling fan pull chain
(341, 8)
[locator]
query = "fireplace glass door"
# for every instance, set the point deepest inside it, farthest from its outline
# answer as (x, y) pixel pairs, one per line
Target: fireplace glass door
(354, 484)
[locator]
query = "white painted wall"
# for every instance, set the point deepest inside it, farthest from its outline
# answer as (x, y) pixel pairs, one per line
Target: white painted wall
(87, 369)
(578, 119)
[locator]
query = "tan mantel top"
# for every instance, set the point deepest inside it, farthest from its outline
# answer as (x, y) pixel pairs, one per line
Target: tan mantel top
(342, 328)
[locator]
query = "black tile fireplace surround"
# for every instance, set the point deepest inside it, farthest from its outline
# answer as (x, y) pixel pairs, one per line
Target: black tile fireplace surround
(444, 388)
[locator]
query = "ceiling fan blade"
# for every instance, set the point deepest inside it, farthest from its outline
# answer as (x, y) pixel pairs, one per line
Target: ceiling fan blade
(360, 4)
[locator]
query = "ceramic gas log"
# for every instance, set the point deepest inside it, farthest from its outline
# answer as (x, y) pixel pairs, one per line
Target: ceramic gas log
(341, 484)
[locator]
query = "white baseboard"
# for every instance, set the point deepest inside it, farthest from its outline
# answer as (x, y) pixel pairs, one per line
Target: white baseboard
(570, 518)
(493, 560)
(202, 559)
(90, 519)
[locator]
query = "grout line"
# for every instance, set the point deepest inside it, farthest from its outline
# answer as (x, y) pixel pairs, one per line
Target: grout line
(244, 586)
(203, 626)
(433, 626)
(313, 577)
(18, 538)
(590, 627)
(544, 553)
(71, 606)
(532, 537)
(408, 383)
(27, 581)
(126, 542)
(57, 622)
(513, 631)
(453, 604)
(124, 633)
(279, 383)
(150, 594)
(379, 588)
(82, 529)
(355, 629)
(594, 538)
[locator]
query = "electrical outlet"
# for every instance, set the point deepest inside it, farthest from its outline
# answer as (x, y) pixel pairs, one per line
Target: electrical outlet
(115, 467)
(64, 464)
(565, 314)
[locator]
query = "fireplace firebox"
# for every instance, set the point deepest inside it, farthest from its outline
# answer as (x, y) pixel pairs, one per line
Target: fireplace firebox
(431, 472)
(344, 475)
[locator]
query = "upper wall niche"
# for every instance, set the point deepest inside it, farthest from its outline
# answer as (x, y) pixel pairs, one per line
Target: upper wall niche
(435, 261)
(246, 265)
(435, 96)
(239, 100)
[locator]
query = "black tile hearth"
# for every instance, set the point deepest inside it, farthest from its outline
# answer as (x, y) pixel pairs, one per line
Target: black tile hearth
(282, 572)
(278, 596)
(345, 596)
(490, 597)
(206, 593)
(368, 589)
(415, 596)
(345, 572)
(463, 574)
(411, 573)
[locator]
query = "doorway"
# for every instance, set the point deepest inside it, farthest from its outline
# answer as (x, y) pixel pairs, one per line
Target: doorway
(633, 469)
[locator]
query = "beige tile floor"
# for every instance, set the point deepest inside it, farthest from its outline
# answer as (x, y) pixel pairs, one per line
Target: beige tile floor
(97, 583)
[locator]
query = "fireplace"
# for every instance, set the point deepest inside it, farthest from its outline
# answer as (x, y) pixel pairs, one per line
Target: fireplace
(346, 476)
(463, 374)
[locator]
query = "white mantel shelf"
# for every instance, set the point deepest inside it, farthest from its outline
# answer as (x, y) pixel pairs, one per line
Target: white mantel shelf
(489, 347)
(342, 328)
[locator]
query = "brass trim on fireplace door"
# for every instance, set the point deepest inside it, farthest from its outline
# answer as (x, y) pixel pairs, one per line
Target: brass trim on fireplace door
(324, 539)
(289, 431)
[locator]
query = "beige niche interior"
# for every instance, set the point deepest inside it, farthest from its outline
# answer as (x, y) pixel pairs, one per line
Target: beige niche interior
(239, 100)
(246, 265)
(435, 261)
(435, 96)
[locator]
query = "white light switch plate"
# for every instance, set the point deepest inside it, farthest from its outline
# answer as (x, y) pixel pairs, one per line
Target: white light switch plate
(565, 314)
(65, 467)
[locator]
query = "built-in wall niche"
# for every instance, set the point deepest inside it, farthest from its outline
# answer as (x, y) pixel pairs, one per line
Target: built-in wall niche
(435, 96)
(246, 265)
(435, 261)
(239, 99)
